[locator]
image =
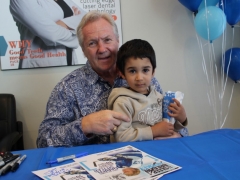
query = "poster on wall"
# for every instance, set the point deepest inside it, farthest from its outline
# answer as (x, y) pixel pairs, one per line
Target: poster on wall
(42, 33)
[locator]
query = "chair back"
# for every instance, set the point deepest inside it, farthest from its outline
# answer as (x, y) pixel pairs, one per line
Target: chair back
(7, 114)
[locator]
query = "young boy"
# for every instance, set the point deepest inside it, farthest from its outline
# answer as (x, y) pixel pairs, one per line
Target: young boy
(140, 101)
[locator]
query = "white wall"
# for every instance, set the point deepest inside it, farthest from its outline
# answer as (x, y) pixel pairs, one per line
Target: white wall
(168, 26)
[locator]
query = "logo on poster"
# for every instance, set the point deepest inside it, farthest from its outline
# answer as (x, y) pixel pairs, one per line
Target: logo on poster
(26, 52)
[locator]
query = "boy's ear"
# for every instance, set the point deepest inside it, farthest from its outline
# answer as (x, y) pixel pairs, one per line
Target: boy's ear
(121, 74)
(153, 72)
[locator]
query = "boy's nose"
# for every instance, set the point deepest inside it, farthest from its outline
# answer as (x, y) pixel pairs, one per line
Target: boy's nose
(138, 76)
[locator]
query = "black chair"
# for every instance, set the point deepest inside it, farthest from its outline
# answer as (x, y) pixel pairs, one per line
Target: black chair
(11, 130)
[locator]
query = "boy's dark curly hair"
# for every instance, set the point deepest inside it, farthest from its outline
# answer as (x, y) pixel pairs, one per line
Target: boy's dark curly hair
(136, 48)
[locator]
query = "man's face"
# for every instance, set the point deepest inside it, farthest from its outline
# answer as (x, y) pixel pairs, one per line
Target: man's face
(100, 45)
(138, 74)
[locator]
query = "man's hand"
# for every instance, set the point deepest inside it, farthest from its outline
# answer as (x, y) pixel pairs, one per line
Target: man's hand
(102, 122)
(162, 128)
(177, 111)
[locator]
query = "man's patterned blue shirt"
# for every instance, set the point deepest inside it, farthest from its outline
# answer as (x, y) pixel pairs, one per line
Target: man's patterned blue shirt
(80, 93)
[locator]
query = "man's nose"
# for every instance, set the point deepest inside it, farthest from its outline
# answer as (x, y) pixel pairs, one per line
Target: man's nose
(101, 47)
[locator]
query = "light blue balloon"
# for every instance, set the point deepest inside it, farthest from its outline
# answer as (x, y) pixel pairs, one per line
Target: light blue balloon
(208, 3)
(210, 19)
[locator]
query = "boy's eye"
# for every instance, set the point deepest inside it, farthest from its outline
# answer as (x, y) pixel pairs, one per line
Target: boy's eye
(146, 70)
(132, 71)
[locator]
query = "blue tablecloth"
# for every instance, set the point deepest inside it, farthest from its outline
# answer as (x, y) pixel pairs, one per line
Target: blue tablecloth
(205, 156)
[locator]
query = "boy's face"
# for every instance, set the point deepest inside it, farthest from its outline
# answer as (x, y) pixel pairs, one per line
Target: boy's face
(138, 74)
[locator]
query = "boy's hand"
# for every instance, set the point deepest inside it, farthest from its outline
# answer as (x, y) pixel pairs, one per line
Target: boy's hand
(162, 129)
(177, 111)
(175, 135)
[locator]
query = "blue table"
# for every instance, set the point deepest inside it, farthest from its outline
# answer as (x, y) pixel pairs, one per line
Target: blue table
(206, 156)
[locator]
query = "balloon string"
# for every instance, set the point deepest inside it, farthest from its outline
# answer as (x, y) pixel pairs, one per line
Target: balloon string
(223, 50)
(205, 44)
(229, 103)
(228, 65)
(215, 88)
(223, 63)
(209, 90)
(221, 93)
(212, 77)
(207, 21)
(201, 50)
(222, 74)
(213, 81)
(215, 115)
(212, 89)
(205, 3)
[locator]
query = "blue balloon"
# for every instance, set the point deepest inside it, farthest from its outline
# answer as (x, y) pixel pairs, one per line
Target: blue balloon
(208, 3)
(233, 56)
(210, 22)
(192, 5)
(232, 10)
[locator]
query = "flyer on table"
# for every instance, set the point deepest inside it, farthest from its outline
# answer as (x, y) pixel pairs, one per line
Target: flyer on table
(42, 33)
(126, 163)
(71, 171)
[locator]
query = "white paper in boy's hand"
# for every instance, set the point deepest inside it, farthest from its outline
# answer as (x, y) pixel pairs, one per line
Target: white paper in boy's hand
(167, 99)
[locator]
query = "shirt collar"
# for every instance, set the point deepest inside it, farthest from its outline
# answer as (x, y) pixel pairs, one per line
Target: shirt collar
(94, 77)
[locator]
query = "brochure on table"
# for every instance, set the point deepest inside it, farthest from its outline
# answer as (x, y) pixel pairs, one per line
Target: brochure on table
(71, 171)
(126, 163)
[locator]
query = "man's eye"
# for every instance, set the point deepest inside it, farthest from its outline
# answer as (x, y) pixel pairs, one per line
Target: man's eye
(91, 44)
(108, 40)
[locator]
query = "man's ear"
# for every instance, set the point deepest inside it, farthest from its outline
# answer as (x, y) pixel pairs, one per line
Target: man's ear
(83, 53)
